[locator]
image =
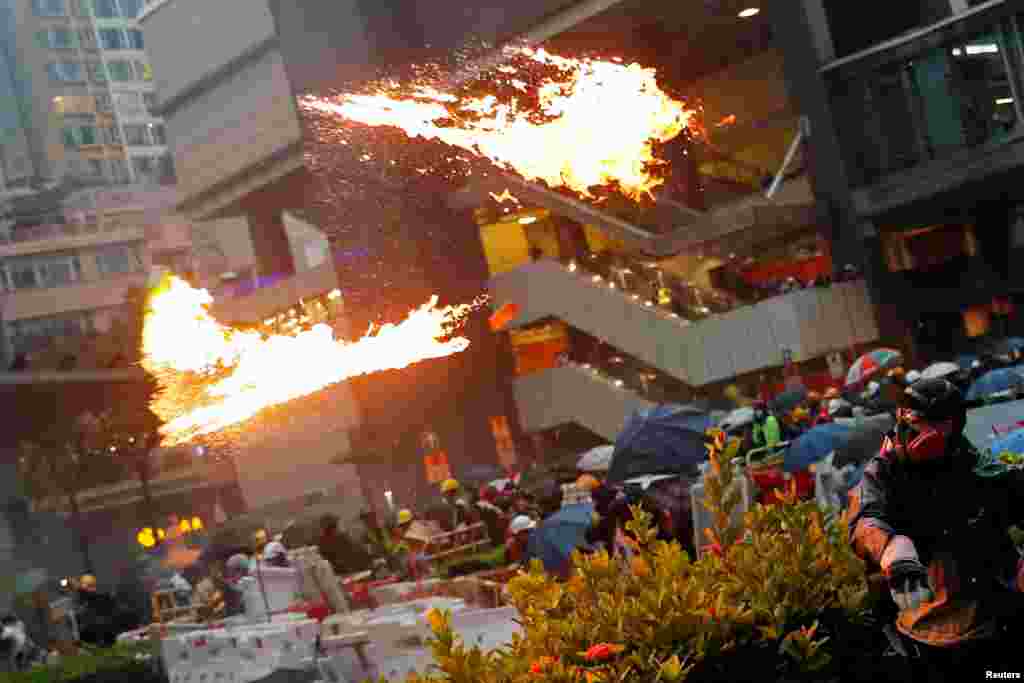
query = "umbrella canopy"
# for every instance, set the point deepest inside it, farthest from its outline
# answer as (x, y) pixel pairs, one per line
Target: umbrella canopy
(994, 382)
(481, 473)
(557, 536)
(937, 370)
(814, 445)
(1012, 442)
(864, 441)
(871, 364)
(596, 459)
(558, 469)
(737, 419)
(666, 439)
(965, 361)
(788, 400)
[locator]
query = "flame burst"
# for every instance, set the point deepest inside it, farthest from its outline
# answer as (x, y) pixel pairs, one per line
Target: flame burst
(600, 123)
(212, 376)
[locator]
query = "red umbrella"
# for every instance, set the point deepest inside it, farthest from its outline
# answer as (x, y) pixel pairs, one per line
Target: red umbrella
(870, 365)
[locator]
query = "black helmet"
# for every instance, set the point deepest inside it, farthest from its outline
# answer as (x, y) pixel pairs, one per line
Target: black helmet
(934, 399)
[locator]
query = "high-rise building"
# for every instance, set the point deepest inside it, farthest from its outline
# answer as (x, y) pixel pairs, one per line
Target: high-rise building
(77, 93)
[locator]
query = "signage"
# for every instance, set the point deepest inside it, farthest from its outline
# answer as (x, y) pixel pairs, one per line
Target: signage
(437, 468)
(506, 447)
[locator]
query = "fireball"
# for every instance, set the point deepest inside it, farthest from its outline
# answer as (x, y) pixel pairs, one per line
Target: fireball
(595, 126)
(212, 376)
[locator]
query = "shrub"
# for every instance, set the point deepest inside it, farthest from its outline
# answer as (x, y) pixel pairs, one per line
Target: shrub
(761, 601)
(123, 663)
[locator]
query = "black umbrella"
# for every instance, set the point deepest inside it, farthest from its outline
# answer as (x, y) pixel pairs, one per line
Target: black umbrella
(864, 441)
(667, 439)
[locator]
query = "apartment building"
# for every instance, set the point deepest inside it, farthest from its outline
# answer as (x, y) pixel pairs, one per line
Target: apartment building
(68, 278)
(78, 96)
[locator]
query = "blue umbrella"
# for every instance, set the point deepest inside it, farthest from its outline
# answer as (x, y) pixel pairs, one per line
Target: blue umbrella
(1012, 442)
(965, 361)
(553, 541)
(666, 439)
(814, 445)
(994, 382)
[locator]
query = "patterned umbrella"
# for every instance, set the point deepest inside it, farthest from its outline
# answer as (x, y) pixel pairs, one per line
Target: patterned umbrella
(871, 364)
(938, 370)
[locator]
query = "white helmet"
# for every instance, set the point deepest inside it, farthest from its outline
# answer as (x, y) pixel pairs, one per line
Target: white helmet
(274, 549)
(913, 376)
(520, 524)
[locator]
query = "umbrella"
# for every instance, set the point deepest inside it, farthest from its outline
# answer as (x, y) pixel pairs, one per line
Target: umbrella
(871, 364)
(596, 459)
(966, 361)
(1005, 347)
(937, 370)
(737, 419)
(482, 473)
(666, 439)
(557, 536)
(788, 400)
(994, 382)
(1012, 442)
(814, 445)
(864, 441)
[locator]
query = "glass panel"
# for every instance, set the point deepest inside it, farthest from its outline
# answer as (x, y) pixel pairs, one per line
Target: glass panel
(120, 70)
(112, 39)
(88, 135)
(106, 9)
(97, 72)
(130, 9)
(48, 8)
(135, 40)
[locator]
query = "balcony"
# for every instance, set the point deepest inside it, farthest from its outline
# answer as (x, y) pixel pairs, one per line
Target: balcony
(929, 111)
(65, 237)
(807, 323)
(579, 394)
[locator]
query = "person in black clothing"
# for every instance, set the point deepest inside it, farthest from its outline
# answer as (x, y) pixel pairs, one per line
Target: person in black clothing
(99, 617)
(345, 555)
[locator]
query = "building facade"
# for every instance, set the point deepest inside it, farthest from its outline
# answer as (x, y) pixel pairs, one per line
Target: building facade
(78, 94)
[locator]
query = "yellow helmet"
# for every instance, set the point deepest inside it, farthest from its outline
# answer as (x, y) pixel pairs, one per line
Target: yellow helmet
(87, 581)
(449, 485)
(404, 517)
(732, 392)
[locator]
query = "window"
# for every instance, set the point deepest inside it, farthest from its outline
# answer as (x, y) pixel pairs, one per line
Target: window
(64, 71)
(80, 8)
(149, 100)
(159, 133)
(97, 72)
(135, 41)
(110, 136)
(117, 259)
(34, 333)
(130, 9)
(120, 70)
(135, 135)
(51, 270)
(105, 9)
(48, 8)
(56, 38)
(143, 71)
(87, 38)
(75, 136)
(104, 103)
(113, 39)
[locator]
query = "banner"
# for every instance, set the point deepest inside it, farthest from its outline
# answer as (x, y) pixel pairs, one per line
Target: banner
(506, 446)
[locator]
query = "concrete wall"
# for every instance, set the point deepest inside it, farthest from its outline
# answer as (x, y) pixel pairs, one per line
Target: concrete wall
(80, 297)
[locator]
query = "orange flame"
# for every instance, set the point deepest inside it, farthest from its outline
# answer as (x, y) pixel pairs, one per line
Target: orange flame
(242, 372)
(599, 129)
(727, 121)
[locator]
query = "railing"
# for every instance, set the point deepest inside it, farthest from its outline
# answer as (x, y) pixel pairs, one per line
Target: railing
(41, 233)
(932, 96)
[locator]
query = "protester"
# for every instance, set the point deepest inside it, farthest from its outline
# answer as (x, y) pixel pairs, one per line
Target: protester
(345, 556)
(493, 516)
(458, 513)
(49, 628)
(100, 620)
(518, 538)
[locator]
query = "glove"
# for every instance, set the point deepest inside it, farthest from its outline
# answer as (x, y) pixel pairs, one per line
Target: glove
(909, 587)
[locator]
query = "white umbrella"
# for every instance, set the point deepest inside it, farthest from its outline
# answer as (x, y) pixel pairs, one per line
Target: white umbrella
(741, 417)
(596, 459)
(938, 370)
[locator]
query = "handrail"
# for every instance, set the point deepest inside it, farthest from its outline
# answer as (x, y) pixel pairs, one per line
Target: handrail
(910, 36)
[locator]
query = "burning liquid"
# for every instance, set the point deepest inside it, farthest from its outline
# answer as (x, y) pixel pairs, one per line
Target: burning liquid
(212, 376)
(599, 127)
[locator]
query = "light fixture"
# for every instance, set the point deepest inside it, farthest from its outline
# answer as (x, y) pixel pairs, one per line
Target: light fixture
(1004, 100)
(750, 12)
(526, 220)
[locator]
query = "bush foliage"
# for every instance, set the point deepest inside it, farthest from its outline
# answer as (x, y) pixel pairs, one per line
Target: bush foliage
(767, 597)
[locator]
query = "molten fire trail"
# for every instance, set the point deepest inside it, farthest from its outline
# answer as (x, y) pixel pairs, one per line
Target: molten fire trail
(595, 125)
(212, 376)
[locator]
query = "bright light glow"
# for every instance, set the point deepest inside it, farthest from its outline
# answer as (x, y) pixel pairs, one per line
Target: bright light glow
(526, 220)
(750, 12)
(212, 376)
(1005, 100)
(602, 121)
(983, 49)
